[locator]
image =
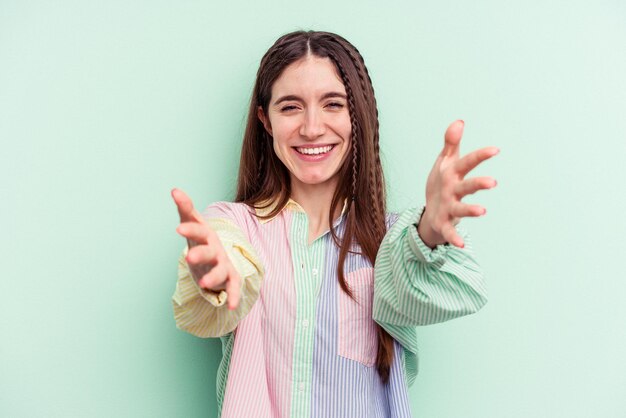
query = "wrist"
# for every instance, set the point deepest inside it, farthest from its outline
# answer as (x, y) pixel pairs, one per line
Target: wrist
(427, 234)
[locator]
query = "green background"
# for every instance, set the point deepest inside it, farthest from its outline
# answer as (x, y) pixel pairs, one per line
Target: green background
(106, 106)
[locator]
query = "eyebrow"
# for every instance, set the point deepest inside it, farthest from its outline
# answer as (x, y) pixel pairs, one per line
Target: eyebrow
(290, 97)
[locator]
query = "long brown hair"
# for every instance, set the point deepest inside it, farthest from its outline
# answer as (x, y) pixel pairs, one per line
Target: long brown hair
(263, 177)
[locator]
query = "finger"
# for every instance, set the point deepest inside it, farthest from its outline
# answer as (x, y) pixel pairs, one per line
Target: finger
(452, 138)
(214, 279)
(233, 289)
(448, 231)
(186, 211)
(194, 231)
(471, 160)
(462, 210)
(472, 185)
(202, 254)
(183, 204)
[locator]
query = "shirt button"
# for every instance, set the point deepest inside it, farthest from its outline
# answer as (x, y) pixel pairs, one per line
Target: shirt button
(314, 271)
(305, 323)
(301, 386)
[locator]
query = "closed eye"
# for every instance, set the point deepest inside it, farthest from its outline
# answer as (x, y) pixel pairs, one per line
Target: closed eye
(288, 108)
(335, 105)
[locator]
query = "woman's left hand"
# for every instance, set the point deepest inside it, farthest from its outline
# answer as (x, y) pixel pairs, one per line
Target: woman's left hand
(447, 185)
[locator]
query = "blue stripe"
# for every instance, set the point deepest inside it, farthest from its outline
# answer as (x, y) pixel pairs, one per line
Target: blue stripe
(343, 387)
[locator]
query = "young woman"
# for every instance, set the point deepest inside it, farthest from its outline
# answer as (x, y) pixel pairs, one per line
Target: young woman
(314, 289)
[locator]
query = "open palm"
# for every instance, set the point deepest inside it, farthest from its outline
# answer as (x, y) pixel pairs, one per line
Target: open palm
(447, 185)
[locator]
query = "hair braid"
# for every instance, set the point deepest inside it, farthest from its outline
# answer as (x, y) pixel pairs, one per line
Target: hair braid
(363, 88)
(355, 154)
(353, 121)
(354, 164)
(380, 183)
(376, 181)
(262, 146)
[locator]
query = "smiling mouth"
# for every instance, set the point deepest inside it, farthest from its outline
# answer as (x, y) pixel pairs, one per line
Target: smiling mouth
(314, 151)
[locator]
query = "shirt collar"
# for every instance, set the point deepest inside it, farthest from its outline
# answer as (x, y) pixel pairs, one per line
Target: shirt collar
(291, 204)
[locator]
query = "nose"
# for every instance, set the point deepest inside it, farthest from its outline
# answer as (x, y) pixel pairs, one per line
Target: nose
(313, 125)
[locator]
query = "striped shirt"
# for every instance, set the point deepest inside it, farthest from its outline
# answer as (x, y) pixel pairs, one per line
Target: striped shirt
(297, 345)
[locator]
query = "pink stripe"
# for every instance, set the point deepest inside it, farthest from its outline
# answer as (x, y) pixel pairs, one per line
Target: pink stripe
(259, 379)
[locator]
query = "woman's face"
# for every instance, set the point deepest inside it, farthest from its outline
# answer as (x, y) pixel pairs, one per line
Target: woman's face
(309, 120)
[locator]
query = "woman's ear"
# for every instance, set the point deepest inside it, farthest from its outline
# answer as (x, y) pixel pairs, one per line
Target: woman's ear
(264, 120)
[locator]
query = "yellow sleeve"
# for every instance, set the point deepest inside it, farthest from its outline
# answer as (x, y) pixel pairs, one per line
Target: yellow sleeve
(205, 313)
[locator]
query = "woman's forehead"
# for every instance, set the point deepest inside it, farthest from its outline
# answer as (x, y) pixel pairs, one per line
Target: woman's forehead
(308, 76)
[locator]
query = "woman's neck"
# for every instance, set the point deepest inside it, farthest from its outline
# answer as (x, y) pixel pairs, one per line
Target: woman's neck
(315, 199)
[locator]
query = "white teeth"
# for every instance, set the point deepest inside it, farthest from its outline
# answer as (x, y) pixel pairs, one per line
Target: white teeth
(314, 151)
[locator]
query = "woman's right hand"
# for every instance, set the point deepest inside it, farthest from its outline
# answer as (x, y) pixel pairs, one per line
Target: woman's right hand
(208, 262)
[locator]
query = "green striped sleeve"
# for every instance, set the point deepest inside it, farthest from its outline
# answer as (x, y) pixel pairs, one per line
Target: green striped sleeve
(414, 285)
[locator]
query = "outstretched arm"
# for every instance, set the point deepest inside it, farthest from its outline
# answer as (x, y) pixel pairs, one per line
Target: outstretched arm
(419, 281)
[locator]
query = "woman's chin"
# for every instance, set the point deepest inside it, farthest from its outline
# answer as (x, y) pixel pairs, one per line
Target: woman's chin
(315, 180)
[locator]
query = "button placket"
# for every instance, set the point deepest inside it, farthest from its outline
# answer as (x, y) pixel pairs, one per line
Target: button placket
(308, 261)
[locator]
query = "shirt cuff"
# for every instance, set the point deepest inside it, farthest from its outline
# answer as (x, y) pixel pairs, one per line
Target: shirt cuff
(423, 252)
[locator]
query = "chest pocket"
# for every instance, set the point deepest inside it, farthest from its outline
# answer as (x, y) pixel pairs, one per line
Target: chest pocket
(356, 329)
